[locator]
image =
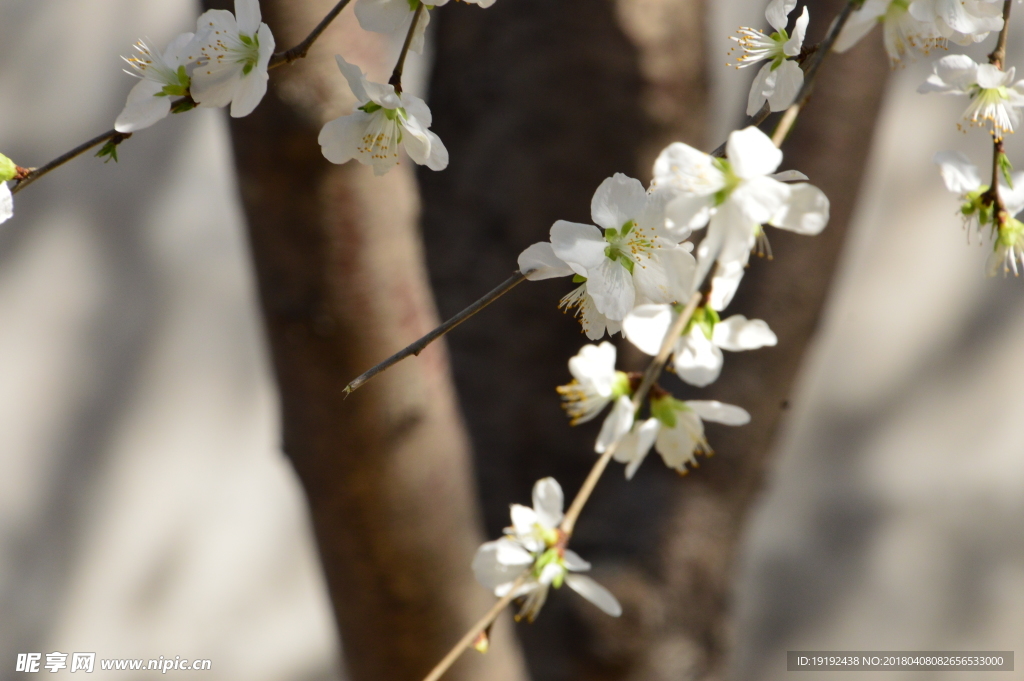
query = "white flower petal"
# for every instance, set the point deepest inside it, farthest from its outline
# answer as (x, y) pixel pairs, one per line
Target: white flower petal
(510, 553)
(806, 211)
(548, 502)
(665, 276)
(646, 325)
(491, 573)
(763, 85)
(540, 262)
(247, 14)
(860, 24)
(143, 107)
(788, 81)
(777, 13)
(636, 444)
(760, 199)
(523, 519)
(595, 593)
(611, 286)
(724, 283)
(958, 173)
(698, 361)
(1013, 199)
(340, 139)
(676, 445)
(574, 563)
(580, 246)
(6, 203)
(681, 167)
(788, 176)
(616, 424)
(752, 153)
(355, 77)
(618, 200)
(713, 410)
(796, 42)
(739, 333)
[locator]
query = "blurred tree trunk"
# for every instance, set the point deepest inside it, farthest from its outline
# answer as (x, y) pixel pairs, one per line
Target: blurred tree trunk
(342, 285)
(539, 101)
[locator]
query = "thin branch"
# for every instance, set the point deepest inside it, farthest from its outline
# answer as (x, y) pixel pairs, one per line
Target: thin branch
(36, 173)
(278, 59)
(396, 76)
(417, 347)
(815, 62)
(300, 50)
(654, 370)
(474, 631)
(996, 58)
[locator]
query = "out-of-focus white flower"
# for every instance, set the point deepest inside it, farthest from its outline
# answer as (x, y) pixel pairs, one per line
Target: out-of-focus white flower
(676, 430)
(996, 101)
(161, 77)
(961, 177)
(962, 21)
(697, 354)
(382, 122)
(394, 17)
(901, 32)
(781, 78)
(734, 197)
(532, 551)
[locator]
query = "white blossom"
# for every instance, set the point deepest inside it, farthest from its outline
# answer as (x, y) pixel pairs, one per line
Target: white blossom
(630, 257)
(994, 101)
(162, 77)
(394, 17)
(902, 34)
(961, 177)
(676, 431)
(234, 53)
(735, 197)
(595, 384)
(533, 550)
(697, 354)
(781, 78)
(383, 121)
(962, 21)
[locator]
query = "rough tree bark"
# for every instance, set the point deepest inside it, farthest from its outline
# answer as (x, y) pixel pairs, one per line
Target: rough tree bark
(539, 101)
(342, 285)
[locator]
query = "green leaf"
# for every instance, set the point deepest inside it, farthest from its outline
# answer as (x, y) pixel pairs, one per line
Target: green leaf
(183, 105)
(109, 150)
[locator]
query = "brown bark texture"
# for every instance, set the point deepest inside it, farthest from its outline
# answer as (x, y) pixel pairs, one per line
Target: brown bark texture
(342, 284)
(539, 101)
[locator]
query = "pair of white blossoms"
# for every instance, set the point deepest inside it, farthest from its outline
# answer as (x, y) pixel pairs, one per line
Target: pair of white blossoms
(633, 257)
(226, 60)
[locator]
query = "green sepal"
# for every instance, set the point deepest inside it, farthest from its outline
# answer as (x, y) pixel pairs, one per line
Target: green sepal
(621, 386)
(109, 150)
(627, 228)
(370, 107)
(704, 317)
(578, 279)
(1006, 167)
(8, 169)
(183, 106)
(664, 410)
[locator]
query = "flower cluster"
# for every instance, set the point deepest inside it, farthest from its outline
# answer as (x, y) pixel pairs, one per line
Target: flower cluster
(531, 557)
(224, 62)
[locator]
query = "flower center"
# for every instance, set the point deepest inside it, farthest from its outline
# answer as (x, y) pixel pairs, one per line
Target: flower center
(730, 179)
(628, 244)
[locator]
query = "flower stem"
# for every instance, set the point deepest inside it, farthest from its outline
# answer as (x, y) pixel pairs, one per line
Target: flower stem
(811, 73)
(286, 57)
(651, 375)
(300, 50)
(474, 631)
(417, 347)
(396, 76)
(996, 58)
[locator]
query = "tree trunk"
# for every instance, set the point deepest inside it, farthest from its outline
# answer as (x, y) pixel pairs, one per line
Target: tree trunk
(342, 285)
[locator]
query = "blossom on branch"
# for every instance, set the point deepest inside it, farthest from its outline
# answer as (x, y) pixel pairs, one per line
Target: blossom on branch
(384, 120)
(161, 78)
(901, 32)
(697, 354)
(961, 177)
(533, 553)
(630, 257)
(962, 21)
(676, 431)
(595, 385)
(781, 78)
(734, 197)
(394, 17)
(234, 53)
(994, 101)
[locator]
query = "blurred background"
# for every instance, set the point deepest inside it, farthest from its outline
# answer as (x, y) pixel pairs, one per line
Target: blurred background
(180, 474)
